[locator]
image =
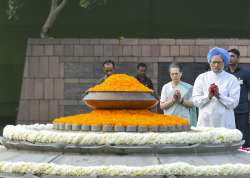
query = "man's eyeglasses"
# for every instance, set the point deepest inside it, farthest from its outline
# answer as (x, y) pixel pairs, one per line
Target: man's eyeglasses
(216, 62)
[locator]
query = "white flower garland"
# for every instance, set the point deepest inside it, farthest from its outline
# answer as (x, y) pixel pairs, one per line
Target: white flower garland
(178, 168)
(40, 133)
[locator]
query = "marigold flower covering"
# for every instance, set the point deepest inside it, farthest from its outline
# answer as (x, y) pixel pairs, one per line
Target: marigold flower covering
(121, 83)
(123, 118)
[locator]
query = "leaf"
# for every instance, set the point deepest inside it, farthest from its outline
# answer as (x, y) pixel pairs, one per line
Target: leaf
(13, 7)
(85, 3)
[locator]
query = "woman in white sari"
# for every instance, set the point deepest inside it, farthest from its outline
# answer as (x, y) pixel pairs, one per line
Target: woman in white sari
(176, 96)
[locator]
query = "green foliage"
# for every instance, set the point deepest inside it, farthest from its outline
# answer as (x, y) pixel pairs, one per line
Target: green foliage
(13, 6)
(85, 3)
(89, 3)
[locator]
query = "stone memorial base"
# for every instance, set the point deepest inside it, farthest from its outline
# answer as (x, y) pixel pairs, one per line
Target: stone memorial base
(123, 149)
(40, 151)
(46, 164)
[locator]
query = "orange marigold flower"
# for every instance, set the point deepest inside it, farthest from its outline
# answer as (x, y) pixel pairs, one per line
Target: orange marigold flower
(121, 83)
(124, 118)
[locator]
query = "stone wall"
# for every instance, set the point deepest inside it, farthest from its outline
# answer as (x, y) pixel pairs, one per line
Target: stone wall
(58, 71)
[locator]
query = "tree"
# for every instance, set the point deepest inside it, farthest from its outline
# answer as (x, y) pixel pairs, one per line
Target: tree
(56, 8)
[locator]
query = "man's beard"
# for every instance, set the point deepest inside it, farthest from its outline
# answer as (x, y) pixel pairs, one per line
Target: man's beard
(218, 71)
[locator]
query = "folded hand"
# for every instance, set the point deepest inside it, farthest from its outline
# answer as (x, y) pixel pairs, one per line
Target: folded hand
(177, 95)
(213, 90)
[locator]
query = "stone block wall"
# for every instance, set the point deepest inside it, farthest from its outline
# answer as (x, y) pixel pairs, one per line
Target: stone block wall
(58, 71)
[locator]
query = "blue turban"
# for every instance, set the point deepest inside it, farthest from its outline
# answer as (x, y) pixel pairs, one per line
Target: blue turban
(218, 52)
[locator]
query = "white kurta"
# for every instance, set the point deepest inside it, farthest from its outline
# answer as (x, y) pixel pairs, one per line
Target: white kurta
(216, 112)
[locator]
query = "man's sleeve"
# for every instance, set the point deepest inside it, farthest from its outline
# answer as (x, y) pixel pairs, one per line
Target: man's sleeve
(200, 99)
(100, 80)
(248, 88)
(232, 100)
(151, 84)
(248, 80)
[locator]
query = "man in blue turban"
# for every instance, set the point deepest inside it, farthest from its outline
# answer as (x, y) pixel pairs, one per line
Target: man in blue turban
(216, 93)
(222, 53)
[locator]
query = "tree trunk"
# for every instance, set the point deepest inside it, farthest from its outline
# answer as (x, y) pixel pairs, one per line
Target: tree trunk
(56, 7)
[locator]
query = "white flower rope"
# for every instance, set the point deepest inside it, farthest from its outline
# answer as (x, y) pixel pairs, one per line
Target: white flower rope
(40, 133)
(178, 168)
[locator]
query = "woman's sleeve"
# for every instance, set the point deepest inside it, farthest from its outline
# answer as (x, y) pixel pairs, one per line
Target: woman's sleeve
(163, 94)
(189, 96)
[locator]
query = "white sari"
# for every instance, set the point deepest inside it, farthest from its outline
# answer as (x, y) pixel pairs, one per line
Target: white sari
(179, 109)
